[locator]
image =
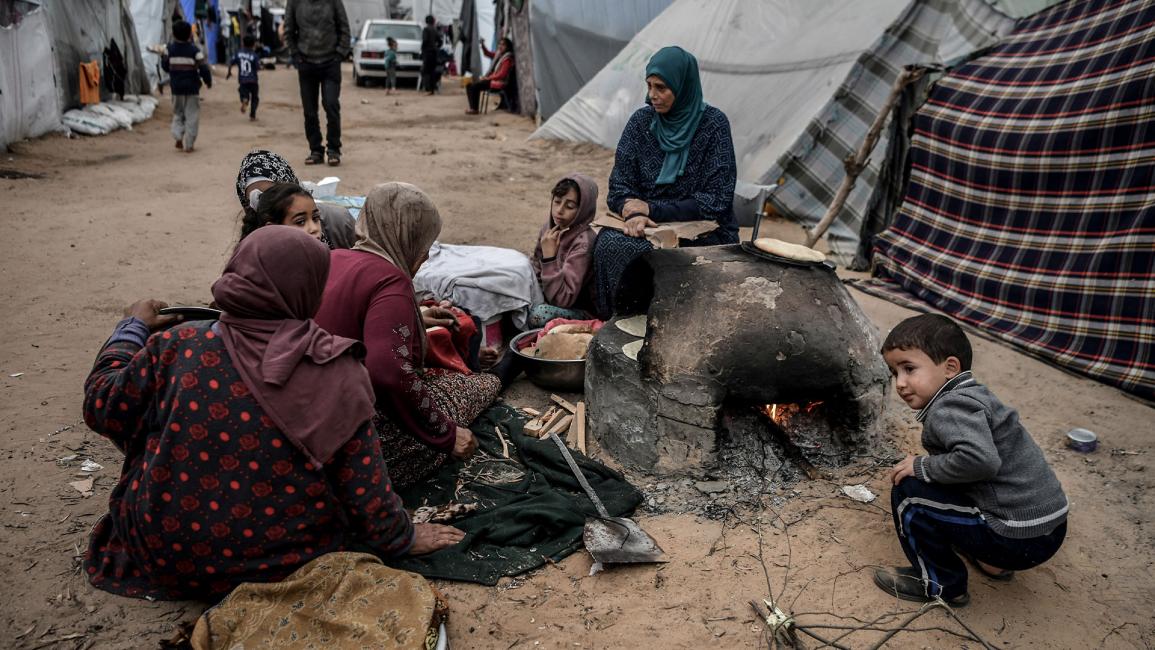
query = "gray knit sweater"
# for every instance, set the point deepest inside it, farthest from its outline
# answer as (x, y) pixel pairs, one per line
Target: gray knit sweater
(977, 443)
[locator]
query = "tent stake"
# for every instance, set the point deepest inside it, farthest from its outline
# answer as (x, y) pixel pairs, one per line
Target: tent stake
(856, 163)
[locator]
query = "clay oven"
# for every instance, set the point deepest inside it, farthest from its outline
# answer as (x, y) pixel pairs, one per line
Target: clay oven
(741, 358)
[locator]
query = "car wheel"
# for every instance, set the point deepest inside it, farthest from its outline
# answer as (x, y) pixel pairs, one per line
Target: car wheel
(358, 80)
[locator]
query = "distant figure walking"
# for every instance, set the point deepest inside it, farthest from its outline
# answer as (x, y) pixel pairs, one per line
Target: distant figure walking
(185, 64)
(317, 35)
(248, 62)
(430, 49)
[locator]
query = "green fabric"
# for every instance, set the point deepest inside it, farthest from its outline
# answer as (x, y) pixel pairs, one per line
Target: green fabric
(519, 524)
(675, 130)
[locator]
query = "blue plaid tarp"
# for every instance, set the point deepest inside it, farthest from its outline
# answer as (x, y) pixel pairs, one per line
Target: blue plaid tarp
(1030, 211)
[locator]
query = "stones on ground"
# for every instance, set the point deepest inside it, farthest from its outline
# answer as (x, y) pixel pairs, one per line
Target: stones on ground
(711, 487)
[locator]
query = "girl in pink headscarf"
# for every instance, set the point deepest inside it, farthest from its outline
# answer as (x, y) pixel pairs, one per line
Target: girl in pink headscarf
(562, 258)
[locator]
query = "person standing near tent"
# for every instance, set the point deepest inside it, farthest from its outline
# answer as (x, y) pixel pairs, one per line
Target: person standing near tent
(674, 162)
(430, 48)
(317, 35)
(185, 64)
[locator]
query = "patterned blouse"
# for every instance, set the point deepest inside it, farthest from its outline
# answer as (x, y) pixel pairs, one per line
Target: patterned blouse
(704, 191)
(211, 493)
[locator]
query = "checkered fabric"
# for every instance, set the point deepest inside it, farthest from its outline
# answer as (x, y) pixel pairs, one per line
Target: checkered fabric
(1031, 206)
(810, 172)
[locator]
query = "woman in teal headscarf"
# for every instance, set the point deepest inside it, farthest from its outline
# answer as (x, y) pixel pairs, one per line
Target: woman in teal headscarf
(675, 162)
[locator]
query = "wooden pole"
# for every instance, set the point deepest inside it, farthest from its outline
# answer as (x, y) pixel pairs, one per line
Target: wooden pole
(856, 163)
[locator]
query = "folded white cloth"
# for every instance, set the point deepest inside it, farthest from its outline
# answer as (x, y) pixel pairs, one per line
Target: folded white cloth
(484, 280)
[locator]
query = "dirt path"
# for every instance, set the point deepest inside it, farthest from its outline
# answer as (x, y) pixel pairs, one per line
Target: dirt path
(117, 218)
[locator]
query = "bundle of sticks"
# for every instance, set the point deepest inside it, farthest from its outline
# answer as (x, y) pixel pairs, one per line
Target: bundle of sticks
(562, 418)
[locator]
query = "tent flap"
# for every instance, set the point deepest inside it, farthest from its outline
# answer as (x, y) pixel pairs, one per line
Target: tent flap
(1029, 211)
(28, 105)
(572, 41)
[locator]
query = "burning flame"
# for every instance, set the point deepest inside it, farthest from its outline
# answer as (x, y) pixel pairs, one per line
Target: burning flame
(780, 414)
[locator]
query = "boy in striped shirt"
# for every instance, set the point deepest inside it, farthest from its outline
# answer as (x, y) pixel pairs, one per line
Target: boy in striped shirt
(186, 67)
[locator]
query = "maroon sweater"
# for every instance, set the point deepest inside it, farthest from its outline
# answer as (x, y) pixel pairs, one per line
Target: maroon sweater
(369, 299)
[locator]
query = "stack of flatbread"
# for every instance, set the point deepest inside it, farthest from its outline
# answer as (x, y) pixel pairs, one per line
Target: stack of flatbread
(788, 251)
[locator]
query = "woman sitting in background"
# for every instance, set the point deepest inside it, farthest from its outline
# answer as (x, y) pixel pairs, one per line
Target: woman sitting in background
(674, 162)
(422, 413)
(248, 445)
(499, 75)
(260, 170)
(562, 258)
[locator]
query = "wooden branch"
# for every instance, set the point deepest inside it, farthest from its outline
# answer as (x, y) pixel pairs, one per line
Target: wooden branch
(856, 163)
(504, 442)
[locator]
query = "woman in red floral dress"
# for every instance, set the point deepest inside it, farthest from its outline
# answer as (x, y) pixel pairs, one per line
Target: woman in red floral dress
(248, 442)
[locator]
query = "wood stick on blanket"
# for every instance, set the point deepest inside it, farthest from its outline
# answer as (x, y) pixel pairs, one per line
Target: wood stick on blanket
(559, 426)
(504, 442)
(856, 163)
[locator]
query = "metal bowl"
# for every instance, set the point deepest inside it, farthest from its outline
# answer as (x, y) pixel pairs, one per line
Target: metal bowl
(566, 376)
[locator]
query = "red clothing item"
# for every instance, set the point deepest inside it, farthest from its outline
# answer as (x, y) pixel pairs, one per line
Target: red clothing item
(500, 75)
(211, 493)
(369, 299)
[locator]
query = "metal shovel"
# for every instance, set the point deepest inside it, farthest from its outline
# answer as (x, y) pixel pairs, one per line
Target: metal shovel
(611, 540)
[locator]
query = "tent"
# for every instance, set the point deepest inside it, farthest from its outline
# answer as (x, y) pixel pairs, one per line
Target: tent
(1030, 207)
(801, 82)
(769, 66)
(572, 41)
(28, 101)
(152, 19)
(80, 31)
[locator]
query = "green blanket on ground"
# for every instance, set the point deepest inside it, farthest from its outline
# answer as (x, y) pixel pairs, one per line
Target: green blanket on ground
(530, 506)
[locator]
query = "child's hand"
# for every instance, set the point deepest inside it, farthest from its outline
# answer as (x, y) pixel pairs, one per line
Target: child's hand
(902, 470)
(550, 242)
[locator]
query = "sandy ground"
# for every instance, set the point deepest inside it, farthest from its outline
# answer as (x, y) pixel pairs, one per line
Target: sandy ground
(121, 217)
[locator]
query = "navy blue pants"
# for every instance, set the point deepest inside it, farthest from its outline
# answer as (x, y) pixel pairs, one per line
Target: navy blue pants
(251, 92)
(934, 520)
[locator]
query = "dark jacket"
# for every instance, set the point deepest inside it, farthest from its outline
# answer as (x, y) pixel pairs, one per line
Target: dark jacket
(317, 31)
(186, 68)
(430, 41)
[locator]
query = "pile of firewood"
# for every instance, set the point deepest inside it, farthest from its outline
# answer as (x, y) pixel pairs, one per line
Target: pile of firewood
(563, 418)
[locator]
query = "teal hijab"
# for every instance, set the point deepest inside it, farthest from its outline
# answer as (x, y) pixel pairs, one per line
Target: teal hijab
(675, 130)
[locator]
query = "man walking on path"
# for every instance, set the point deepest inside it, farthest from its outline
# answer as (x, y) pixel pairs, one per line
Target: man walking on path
(317, 34)
(430, 48)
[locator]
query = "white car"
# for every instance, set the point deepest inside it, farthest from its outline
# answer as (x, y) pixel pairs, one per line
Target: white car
(369, 51)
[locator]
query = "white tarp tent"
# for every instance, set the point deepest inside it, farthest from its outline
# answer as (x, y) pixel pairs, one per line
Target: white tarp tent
(572, 41)
(148, 16)
(28, 99)
(770, 65)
